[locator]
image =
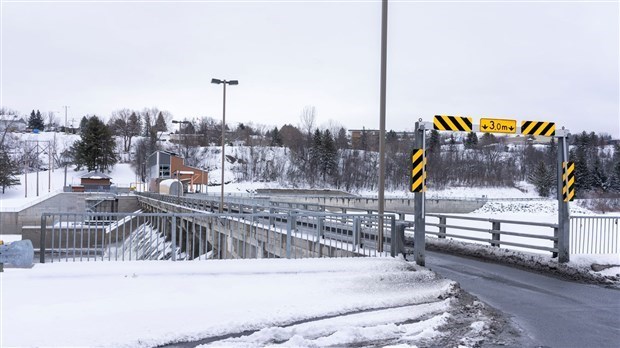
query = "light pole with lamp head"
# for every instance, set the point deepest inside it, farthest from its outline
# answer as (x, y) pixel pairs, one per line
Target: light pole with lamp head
(178, 173)
(232, 83)
(181, 123)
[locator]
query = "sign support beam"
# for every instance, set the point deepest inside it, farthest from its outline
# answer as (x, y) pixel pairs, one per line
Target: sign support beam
(419, 237)
(563, 208)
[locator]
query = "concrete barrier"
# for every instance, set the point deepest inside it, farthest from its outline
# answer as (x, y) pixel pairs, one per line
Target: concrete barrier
(18, 254)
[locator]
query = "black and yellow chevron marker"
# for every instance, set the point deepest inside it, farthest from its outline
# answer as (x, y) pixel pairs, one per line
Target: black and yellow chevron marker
(452, 123)
(568, 181)
(538, 128)
(418, 171)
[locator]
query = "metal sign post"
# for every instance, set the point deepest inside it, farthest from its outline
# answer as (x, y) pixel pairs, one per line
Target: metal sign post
(419, 240)
(563, 209)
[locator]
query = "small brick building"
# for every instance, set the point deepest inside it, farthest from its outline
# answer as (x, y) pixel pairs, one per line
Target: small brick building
(95, 182)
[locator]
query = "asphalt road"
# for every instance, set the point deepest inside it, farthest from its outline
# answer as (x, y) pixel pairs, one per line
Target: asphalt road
(551, 311)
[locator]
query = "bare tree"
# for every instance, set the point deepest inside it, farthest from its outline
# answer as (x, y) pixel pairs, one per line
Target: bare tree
(308, 119)
(52, 120)
(126, 124)
(149, 118)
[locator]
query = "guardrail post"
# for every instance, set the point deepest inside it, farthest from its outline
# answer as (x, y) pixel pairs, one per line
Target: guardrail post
(496, 225)
(42, 241)
(556, 232)
(398, 239)
(442, 228)
(319, 228)
(271, 218)
(289, 231)
(173, 233)
(319, 233)
(356, 231)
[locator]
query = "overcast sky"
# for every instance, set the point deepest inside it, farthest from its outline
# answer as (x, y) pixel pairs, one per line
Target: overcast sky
(552, 61)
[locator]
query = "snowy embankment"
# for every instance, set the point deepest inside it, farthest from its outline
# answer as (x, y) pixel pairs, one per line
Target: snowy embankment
(307, 302)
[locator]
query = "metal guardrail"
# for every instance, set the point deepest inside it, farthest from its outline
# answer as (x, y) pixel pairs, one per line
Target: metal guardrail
(191, 236)
(473, 229)
(594, 235)
(588, 234)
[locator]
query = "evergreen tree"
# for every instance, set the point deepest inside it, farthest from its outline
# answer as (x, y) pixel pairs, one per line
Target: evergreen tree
(83, 123)
(133, 128)
(583, 176)
(342, 141)
(147, 123)
(543, 179)
(95, 149)
(599, 177)
(614, 180)
(452, 143)
(315, 152)
(363, 140)
(433, 143)
(552, 152)
(276, 138)
(471, 142)
(9, 168)
(614, 177)
(487, 139)
(160, 123)
(328, 161)
(35, 121)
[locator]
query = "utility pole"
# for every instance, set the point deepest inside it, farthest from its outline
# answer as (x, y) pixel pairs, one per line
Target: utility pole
(49, 174)
(382, 97)
(66, 107)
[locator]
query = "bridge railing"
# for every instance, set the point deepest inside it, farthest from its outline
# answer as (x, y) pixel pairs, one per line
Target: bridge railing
(588, 234)
(594, 235)
(521, 235)
(200, 236)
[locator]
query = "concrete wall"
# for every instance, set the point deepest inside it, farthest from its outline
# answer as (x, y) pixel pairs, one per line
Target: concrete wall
(128, 204)
(64, 202)
(392, 205)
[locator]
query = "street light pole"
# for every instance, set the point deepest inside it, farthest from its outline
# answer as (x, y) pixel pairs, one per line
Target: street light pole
(66, 107)
(181, 123)
(224, 82)
(382, 100)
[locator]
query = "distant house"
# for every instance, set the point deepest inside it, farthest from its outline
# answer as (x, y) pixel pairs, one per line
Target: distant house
(95, 182)
(13, 123)
(372, 137)
(162, 165)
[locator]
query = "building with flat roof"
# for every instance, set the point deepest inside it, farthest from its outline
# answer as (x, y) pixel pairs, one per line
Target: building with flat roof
(162, 165)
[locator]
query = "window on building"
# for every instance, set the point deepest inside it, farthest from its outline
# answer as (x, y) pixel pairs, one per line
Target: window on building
(164, 171)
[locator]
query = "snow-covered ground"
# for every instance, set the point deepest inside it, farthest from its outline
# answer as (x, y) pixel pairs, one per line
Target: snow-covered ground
(51, 183)
(308, 302)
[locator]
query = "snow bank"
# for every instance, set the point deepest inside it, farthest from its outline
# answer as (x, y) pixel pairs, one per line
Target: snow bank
(578, 269)
(528, 207)
(144, 304)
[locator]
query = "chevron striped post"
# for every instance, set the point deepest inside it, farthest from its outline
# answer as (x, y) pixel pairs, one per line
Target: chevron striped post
(568, 181)
(419, 236)
(563, 230)
(418, 171)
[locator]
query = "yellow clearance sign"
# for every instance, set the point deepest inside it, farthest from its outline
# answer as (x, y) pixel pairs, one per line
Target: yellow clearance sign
(498, 125)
